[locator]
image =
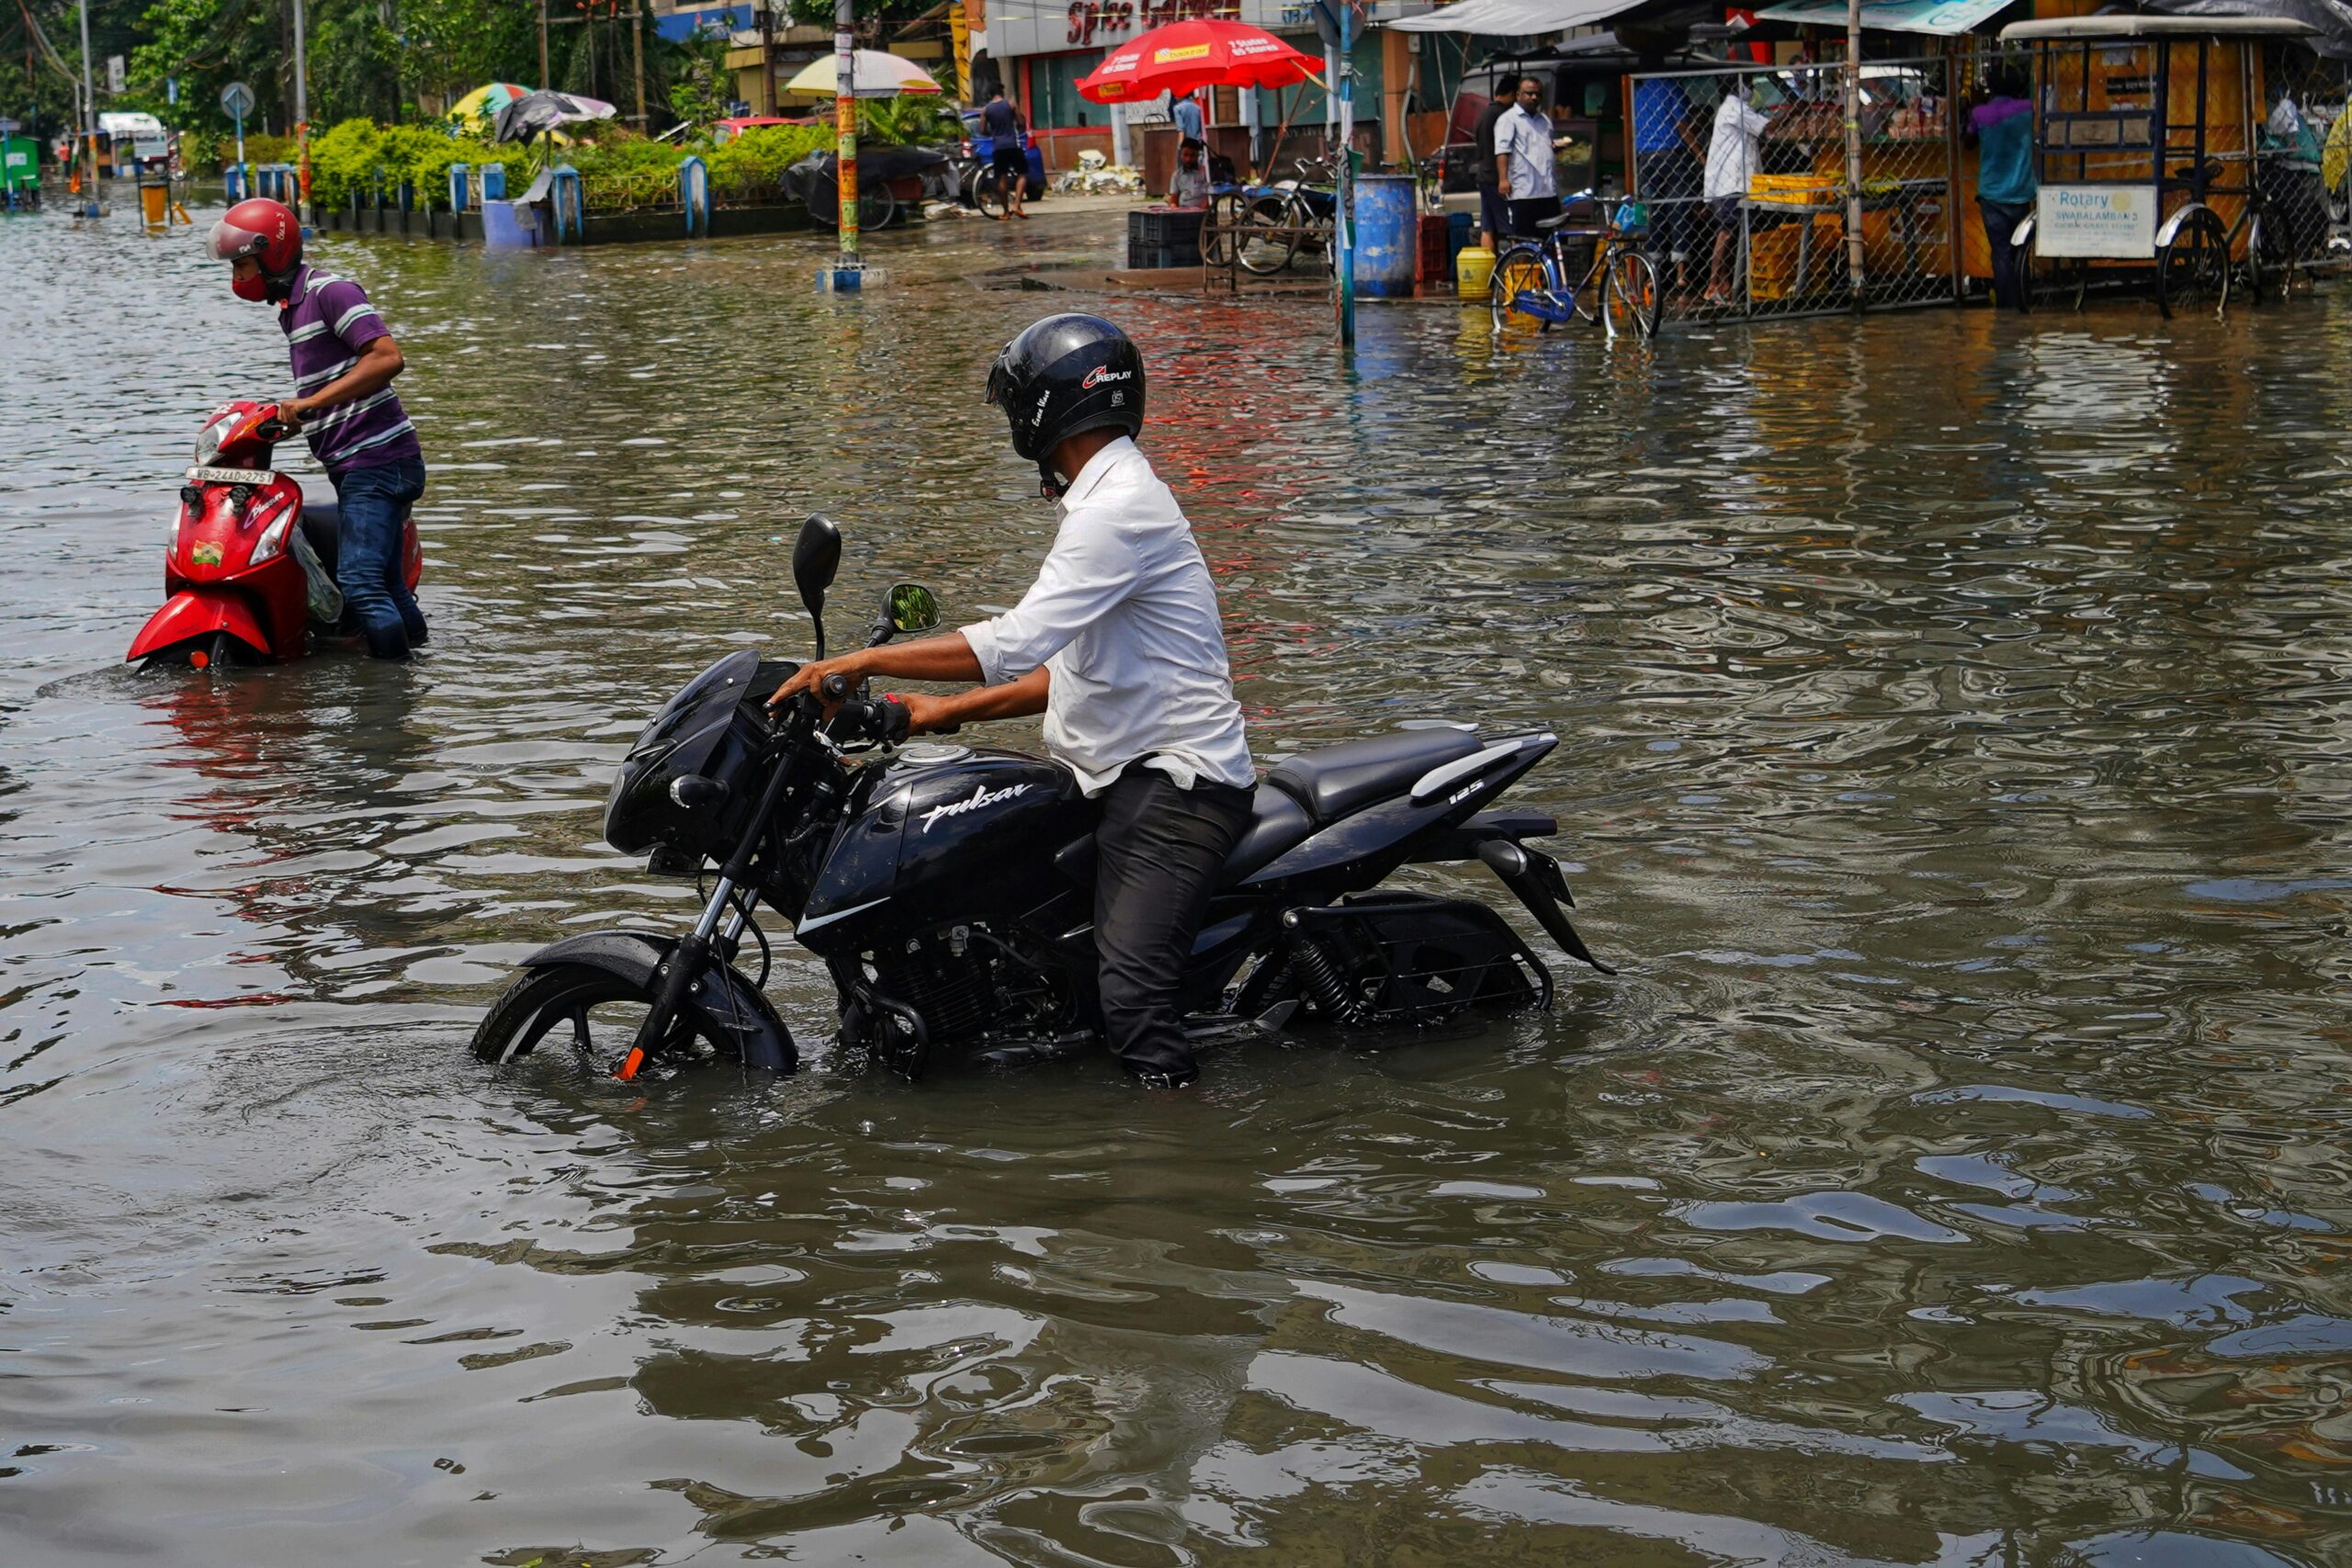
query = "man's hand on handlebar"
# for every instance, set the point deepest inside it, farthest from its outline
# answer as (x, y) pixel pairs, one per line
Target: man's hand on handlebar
(849, 669)
(289, 414)
(927, 716)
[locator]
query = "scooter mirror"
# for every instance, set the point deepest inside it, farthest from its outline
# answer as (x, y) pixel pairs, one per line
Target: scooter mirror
(911, 608)
(816, 556)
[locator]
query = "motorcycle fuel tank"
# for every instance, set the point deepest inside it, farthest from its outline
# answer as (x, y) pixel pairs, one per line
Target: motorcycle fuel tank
(948, 832)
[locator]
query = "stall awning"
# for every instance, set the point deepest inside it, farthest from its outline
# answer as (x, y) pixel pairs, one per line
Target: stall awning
(1946, 19)
(1514, 19)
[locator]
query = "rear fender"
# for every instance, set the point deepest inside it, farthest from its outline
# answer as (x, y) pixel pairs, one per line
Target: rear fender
(723, 1000)
(1495, 838)
(198, 613)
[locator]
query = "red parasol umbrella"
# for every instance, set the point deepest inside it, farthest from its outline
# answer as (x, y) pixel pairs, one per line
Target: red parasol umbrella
(1199, 53)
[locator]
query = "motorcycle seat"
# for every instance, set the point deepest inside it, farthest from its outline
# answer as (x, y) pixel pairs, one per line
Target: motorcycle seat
(1336, 779)
(323, 526)
(1277, 824)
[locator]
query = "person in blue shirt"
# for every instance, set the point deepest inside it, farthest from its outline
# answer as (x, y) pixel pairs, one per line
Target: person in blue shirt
(2002, 128)
(1186, 112)
(1667, 170)
(1007, 157)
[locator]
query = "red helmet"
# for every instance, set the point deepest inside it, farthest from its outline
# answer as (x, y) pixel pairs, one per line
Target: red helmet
(266, 231)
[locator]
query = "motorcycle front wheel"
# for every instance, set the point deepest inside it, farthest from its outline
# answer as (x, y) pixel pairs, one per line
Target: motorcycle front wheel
(599, 1012)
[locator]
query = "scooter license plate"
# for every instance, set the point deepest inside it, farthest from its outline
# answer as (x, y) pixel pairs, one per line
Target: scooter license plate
(255, 476)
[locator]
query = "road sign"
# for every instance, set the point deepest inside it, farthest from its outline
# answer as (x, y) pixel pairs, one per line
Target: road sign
(236, 100)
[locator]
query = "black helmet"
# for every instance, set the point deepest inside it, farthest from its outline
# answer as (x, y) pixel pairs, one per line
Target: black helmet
(1064, 376)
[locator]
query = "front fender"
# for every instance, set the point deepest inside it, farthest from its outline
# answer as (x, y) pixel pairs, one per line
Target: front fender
(200, 611)
(2166, 231)
(723, 1000)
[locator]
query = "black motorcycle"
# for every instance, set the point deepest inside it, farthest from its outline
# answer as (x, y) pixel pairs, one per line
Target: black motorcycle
(949, 888)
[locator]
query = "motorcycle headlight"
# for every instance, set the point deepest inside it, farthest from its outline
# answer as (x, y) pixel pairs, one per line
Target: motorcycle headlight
(208, 443)
(272, 538)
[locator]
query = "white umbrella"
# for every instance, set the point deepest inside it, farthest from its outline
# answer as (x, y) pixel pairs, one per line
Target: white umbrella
(877, 74)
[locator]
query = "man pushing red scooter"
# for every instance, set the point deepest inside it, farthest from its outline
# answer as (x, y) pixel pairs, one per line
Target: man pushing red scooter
(252, 572)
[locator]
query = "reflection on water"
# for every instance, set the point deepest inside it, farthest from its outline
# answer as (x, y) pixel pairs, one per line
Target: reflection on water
(1954, 750)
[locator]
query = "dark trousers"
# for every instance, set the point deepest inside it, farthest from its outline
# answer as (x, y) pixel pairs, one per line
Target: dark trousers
(368, 568)
(1526, 217)
(1157, 852)
(2001, 221)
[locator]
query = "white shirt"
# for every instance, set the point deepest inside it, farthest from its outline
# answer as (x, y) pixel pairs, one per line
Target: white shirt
(1526, 140)
(1190, 186)
(1125, 617)
(1732, 161)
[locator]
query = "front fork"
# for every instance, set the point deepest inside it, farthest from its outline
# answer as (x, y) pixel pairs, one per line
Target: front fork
(676, 973)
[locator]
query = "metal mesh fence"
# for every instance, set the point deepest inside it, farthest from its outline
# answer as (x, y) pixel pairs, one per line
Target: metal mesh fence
(2304, 158)
(1742, 172)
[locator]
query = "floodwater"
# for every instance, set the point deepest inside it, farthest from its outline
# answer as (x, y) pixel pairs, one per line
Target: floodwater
(1956, 758)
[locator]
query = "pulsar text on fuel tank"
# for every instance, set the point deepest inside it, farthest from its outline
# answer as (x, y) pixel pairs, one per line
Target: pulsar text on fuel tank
(949, 888)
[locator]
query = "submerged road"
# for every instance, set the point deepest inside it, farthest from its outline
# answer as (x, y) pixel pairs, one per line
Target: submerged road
(1956, 760)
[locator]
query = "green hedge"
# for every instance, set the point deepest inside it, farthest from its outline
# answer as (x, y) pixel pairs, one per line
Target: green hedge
(346, 160)
(618, 172)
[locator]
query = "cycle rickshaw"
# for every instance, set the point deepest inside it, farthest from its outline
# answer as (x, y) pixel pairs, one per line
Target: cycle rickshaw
(2147, 149)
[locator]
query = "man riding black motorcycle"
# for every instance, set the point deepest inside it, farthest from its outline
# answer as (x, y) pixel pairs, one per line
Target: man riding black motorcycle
(1119, 645)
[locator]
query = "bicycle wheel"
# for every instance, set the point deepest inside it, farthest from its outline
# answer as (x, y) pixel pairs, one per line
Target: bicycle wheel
(988, 190)
(1635, 297)
(1519, 273)
(1268, 238)
(2254, 260)
(2193, 271)
(876, 207)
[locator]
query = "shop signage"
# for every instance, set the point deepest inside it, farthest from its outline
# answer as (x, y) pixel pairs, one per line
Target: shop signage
(1018, 27)
(2117, 221)
(1106, 21)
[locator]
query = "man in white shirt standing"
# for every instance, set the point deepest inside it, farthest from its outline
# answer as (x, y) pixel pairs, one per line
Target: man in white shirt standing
(1119, 645)
(1733, 164)
(1523, 167)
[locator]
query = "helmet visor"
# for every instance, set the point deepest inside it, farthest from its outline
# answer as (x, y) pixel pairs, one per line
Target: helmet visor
(999, 381)
(229, 240)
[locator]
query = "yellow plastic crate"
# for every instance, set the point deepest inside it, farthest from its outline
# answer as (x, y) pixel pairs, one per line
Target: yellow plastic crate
(1822, 188)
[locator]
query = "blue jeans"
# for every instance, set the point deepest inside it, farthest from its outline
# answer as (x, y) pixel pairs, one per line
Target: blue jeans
(375, 502)
(2001, 219)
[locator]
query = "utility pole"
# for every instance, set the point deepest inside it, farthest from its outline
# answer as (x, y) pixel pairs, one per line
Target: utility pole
(301, 109)
(845, 129)
(90, 109)
(1854, 279)
(543, 45)
(637, 42)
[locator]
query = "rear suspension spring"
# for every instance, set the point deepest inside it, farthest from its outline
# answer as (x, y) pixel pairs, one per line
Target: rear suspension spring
(1324, 983)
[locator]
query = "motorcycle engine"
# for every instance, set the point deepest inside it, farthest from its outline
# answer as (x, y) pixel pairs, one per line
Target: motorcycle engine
(968, 986)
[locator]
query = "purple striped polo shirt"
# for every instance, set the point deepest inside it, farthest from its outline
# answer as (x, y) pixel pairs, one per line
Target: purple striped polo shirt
(327, 321)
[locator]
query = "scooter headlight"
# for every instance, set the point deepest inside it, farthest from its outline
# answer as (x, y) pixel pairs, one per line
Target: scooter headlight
(272, 538)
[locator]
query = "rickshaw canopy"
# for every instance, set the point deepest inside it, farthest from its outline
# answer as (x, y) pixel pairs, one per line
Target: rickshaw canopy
(2061, 29)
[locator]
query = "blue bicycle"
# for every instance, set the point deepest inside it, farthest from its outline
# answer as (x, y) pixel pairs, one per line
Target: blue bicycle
(1533, 281)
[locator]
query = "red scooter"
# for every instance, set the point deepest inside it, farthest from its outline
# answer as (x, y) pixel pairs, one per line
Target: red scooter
(250, 568)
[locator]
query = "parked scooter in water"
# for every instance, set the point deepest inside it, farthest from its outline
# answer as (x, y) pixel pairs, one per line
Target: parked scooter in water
(250, 570)
(949, 889)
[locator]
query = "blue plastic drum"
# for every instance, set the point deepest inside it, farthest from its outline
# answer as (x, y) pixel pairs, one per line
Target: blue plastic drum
(1387, 235)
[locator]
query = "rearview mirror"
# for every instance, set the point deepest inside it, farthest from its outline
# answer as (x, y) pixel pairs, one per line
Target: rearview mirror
(911, 608)
(816, 557)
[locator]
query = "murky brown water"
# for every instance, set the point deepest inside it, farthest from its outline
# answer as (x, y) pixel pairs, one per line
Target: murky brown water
(1956, 753)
